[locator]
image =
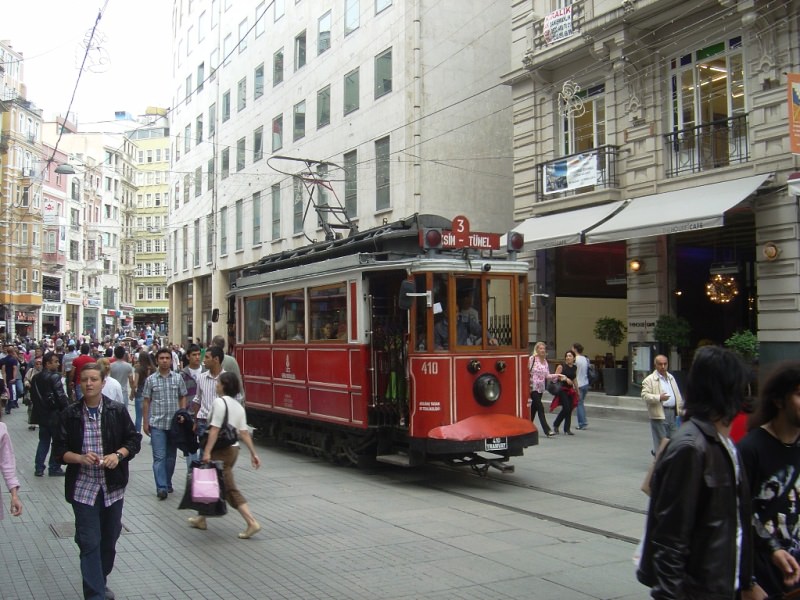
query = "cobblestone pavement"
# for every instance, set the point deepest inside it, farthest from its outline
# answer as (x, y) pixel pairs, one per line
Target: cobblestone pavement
(341, 533)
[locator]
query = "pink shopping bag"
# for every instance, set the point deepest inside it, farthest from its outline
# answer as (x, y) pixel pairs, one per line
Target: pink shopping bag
(205, 485)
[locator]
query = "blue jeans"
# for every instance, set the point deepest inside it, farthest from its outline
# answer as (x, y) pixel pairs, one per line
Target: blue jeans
(45, 439)
(97, 530)
(581, 408)
(137, 403)
(165, 453)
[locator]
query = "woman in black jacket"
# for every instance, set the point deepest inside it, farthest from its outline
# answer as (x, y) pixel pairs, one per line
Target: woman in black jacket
(96, 439)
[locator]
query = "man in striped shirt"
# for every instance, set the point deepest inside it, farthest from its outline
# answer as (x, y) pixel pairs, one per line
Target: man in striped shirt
(164, 393)
(206, 392)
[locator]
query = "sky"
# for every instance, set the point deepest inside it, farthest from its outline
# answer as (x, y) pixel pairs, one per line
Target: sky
(128, 69)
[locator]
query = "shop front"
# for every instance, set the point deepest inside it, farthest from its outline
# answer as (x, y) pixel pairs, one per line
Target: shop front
(51, 318)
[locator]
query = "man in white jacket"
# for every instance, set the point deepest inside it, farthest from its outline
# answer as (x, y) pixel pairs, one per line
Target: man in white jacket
(664, 402)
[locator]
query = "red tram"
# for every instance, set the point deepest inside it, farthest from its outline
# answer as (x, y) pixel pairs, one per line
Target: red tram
(405, 343)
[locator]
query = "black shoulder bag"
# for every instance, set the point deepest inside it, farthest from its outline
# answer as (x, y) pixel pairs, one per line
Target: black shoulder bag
(227, 435)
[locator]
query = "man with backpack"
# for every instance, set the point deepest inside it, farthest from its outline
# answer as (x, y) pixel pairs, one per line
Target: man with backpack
(49, 399)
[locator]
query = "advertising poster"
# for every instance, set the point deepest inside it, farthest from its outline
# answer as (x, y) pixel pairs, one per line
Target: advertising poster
(794, 112)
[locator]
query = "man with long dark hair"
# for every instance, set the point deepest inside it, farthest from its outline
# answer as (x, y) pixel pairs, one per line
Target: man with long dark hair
(698, 538)
(771, 458)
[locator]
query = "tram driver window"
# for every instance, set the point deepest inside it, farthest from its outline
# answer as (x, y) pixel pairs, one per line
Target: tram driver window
(328, 312)
(257, 319)
(499, 309)
(470, 329)
(290, 315)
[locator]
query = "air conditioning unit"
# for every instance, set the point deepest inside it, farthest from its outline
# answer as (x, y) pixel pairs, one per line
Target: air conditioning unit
(26, 171)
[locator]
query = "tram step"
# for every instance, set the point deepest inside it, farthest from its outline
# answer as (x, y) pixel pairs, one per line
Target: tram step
(400, 460)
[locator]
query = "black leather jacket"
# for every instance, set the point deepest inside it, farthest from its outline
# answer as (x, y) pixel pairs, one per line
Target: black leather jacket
(49, 397)
(118, 432)
(690, 544)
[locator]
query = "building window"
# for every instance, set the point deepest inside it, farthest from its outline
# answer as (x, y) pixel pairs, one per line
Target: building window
(256, 218)
(297, 204)
(201, 76)
(258, 144)
(186, 185)
(243, 36)
(276, 211)
(260, 18)
(188, 88)
(277, 67)
(239, 216)
(258, 82)
(187, 138)
(241, 94)
(226, 106)
(210, 173)
(587, 130)
(299, 130)
(240, 150)
(322, 192)
(324, 107)
(198, 181)
(198, 129)
(185, 231)
(280, 9)
(351, 16)
(209, 238)
(212, 120)
(196, 260)
(300, 51)
(381, 5)
(351, 183)
(324, 33)
(277, 133)
(223, 230)
(227, 45)
(351, 91)
(383, 73)
(226, 162)
(382, 174)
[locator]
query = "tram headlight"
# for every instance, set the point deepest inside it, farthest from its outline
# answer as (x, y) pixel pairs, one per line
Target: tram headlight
(486, 389)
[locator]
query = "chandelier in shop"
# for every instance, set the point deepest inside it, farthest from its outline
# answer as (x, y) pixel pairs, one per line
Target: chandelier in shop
(722, 288)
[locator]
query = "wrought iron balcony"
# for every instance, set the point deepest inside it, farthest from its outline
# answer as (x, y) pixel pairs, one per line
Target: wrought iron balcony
(708, 146)
(51, 295)
(577, 173)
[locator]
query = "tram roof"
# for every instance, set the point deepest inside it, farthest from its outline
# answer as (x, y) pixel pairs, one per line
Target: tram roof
(392, 240)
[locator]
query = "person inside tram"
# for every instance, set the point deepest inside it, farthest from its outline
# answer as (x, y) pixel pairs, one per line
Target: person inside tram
(440, 337)
(327, 331)
(468, 322)
(300, 332)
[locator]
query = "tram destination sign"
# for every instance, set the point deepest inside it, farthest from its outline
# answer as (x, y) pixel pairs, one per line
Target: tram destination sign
(461, 237)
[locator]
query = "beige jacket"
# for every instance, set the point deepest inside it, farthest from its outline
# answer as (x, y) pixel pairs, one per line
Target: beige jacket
(651, 394)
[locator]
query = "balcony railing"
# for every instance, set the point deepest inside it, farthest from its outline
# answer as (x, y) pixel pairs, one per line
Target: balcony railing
(708, 146)
(577, 173)
(51, 295)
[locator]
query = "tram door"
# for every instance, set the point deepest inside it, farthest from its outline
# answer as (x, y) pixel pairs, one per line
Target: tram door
(389, 354)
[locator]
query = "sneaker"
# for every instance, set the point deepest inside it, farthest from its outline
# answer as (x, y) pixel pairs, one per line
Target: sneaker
(551, 434)
(582, 427)
(162, 494)
(198, 522)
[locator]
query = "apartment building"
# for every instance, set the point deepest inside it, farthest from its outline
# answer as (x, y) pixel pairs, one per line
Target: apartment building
(21, 169)
(651, 158)
(301, 121)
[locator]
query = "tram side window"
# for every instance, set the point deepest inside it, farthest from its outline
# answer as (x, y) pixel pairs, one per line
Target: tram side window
(421, 314)
(499, 311)
(328, 312)
(256, 315)
(290, 315)
(441, 334)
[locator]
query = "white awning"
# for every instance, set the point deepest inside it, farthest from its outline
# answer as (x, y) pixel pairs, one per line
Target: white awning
(690, 209)
(563, 229)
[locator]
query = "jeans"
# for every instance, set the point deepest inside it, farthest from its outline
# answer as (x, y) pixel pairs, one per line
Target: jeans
(663, 428)
(164, 455)
(97, 530)
(45, 439)
(581, 408)
(137, 403)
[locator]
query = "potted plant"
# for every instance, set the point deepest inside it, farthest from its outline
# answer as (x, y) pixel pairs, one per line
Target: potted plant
(612, 331)
(745, 344)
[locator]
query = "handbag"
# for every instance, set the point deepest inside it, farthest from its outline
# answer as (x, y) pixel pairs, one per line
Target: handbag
(205, 485)
(212, 509)
(227, 435)
(554, 388)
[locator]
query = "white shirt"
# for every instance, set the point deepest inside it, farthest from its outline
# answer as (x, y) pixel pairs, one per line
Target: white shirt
(666, 388)
(236, 414)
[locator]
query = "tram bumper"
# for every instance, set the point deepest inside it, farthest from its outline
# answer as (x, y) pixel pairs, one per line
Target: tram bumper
(505, 435)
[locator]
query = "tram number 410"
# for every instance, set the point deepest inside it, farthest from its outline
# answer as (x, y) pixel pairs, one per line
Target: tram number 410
(430, 368)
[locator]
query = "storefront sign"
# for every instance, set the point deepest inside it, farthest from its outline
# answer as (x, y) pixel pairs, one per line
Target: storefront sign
(641, 325)
(146, 310)
(50, 212)
(558, 25)
(92, 302)
(109, 320)
(24, 317)
(51, 307)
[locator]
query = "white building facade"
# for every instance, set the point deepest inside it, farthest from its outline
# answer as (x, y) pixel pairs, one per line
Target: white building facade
(388, 108)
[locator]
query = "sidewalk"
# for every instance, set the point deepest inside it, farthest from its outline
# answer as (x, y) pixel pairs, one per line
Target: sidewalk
(342, 533)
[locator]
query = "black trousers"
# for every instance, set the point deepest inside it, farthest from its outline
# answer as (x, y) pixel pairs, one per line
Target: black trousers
(538, 409)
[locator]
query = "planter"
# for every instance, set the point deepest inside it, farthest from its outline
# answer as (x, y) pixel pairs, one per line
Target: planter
(615, 382)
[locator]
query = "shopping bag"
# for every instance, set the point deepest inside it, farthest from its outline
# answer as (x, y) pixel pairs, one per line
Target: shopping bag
(213, 509)
(205, 485)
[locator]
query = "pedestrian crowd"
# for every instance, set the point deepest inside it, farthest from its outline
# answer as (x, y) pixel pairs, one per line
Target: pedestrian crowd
(78, 394)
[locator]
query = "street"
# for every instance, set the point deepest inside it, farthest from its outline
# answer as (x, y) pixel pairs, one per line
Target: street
(564, 525)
